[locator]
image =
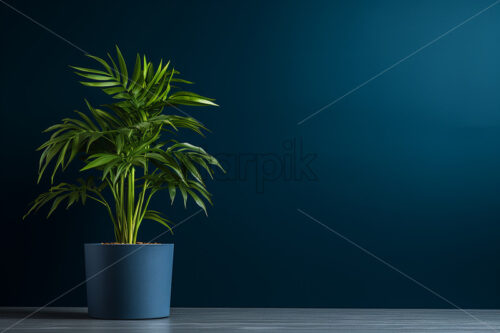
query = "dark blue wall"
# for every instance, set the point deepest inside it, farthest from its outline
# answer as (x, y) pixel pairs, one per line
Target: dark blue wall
(407, 166)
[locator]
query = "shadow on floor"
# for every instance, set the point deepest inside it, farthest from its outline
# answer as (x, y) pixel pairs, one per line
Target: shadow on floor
(47, 313)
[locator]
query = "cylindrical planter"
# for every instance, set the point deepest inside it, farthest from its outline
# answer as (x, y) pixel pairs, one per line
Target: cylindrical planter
(129, 281)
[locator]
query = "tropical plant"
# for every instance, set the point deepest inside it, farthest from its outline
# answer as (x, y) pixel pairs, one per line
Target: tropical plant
(131, 143)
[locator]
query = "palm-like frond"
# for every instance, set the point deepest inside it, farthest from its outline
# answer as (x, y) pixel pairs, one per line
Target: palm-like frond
(71, 193)
(128, 135)
(147, 89)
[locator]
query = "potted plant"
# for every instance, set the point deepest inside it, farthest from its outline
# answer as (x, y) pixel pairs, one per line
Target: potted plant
(130, 144)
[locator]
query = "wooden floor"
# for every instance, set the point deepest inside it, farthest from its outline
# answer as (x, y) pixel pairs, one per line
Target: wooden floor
(224, 320)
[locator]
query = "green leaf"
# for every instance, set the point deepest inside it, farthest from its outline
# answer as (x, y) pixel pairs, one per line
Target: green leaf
(94, 76)
(184, 195)
(60, 160)
(190, 100)
(198, 201)
(123, 67)
(102, 62)
(171, 191)
(100, 84)
(116, 72)
(137, 71)
(56, 203)
(114, 90)
(89, 70)
(100, 159)
(155, 216)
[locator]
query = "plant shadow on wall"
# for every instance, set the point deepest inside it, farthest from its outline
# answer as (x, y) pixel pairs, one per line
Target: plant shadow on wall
(130, 143)
(291, 164)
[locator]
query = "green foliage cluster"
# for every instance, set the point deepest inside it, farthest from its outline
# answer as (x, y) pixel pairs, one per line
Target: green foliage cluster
(130, 142)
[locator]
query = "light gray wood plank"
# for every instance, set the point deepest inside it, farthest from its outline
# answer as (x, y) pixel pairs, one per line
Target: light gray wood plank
(224, 320)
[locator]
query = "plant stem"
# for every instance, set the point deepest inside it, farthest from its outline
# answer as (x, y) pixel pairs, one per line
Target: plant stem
(139, 210)
(131, 202)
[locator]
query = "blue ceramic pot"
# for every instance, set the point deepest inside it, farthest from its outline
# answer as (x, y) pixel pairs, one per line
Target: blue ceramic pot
(129, 281)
